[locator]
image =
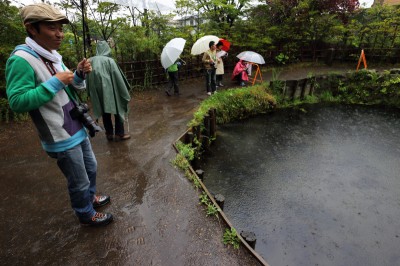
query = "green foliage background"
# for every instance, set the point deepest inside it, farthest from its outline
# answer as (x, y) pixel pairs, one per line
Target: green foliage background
(277, 29)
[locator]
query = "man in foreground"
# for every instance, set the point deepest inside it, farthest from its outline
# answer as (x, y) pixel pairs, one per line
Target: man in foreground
(39, 83)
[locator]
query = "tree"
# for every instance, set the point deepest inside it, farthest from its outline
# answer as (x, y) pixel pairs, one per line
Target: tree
(376, 27)
(282, 9)
(219, 11)
(12, 33)
(81, 7)
(107, 23)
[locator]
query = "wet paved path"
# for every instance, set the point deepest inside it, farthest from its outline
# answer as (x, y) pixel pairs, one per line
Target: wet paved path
(158, 220)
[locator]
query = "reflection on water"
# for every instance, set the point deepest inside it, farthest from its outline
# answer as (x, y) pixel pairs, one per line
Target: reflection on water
(318, 186)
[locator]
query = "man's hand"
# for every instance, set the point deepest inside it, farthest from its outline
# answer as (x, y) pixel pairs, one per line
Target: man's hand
(65, 77)
(84, 67)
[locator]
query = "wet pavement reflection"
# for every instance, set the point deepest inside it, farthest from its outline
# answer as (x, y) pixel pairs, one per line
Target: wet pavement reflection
(318, 185)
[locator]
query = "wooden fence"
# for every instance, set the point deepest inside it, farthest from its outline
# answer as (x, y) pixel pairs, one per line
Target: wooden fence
(150, 72)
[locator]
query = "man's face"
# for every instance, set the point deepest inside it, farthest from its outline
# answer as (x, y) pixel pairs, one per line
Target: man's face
(213, 47)
(49, 36)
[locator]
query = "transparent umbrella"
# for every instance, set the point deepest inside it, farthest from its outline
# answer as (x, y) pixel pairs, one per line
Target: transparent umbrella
(252, 57)
(201, 45)
(171, 51)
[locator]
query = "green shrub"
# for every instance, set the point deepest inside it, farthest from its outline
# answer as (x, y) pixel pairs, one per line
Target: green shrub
(281, 58)
(186, 150)
(231, 238)
(7, 115)
(369, 87)
(235, 104)
(180, 162)
(358, 87)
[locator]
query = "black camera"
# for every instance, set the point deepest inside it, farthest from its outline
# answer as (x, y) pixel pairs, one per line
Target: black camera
(80, 112)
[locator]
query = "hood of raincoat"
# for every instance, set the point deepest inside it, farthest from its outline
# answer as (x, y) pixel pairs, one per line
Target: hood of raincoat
(103, 49)
(107, 85)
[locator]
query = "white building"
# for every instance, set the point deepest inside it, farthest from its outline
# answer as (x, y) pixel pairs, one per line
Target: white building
(192, 20)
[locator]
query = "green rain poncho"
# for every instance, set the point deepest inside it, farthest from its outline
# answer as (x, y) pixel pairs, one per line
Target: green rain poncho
(107, 86)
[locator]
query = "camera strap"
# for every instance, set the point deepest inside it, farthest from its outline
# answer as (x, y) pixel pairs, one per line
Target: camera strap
(52, 70)
(49, 65)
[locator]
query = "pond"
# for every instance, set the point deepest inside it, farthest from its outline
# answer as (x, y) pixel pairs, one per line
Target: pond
(318, 185)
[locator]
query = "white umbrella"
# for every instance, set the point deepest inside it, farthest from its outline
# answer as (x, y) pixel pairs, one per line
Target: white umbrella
(201, 45)
(172, 51)
(252, 57)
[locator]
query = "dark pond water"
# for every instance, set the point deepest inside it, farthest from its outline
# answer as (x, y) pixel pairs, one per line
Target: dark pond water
(318, 185)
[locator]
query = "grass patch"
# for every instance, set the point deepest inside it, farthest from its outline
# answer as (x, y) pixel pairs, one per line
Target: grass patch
(235, 104)
(231, 238)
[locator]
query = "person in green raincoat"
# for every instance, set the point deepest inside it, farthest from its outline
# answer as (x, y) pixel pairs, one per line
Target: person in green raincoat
(108, 89)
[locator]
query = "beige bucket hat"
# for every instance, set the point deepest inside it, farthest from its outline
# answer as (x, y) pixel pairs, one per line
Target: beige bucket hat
(42, 12)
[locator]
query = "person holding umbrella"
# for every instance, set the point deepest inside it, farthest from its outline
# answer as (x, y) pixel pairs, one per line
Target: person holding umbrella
(173, 76)
(171, 61)
(210, 63)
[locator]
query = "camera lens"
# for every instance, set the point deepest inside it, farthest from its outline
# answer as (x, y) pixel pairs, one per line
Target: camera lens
(90, 124)
(79, 112)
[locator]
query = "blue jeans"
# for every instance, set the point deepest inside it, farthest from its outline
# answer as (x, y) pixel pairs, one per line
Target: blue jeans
(211, 83)
(79, 166)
